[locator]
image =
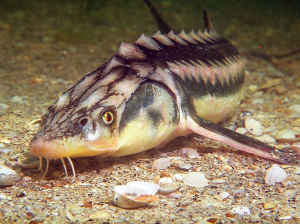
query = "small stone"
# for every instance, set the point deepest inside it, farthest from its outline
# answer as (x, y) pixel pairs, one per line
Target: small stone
(190, 152)
(241, 130)
(295, 108)
(253, 88)
(161, 164)
(3, 106)
(224, 195)
(179, 176)
(165, 180)
(226, 168)
(255, 218)
(296, 122)
(185, 166)
(254, 127)
(16, 99)
(241, 210)
(269, 206)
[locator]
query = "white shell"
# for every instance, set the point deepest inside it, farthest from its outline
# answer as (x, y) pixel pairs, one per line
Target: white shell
(287, 134)
(253, 126)
(190, 152)
(167, 188)
(266, 138)
(241, 210)
(8, 176)
(179, 176)
(165, 180)
(224, 195)
(295, 108)
(195, 179)
(185, 166)
(125, 195)
(161, 164)
(275, 174)
(241, 130)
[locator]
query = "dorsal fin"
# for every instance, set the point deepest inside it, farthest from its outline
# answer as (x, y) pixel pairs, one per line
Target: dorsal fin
(162, 25)
(208, 25)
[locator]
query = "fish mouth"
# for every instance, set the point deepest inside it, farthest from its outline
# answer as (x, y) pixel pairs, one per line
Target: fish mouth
(68, 148)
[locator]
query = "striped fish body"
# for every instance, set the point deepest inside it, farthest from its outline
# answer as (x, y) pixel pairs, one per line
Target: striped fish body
(150, 92)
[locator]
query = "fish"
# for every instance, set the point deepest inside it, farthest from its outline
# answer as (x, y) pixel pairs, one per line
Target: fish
(150, 92)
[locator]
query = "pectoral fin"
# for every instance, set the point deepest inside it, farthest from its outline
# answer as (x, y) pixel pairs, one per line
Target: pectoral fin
(236, 140)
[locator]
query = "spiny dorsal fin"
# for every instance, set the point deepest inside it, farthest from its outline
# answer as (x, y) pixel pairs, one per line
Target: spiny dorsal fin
(208, 25)
(162, 25)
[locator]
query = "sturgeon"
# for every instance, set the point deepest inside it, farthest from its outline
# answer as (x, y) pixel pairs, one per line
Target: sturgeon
(149, 93)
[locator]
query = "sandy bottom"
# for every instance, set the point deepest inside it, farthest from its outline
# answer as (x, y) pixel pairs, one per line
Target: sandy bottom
(45, 48)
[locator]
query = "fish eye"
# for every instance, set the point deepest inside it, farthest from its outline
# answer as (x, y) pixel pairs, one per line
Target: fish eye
(108, 117)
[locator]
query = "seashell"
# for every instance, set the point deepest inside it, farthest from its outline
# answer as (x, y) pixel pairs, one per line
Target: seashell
(266, 138)
(275, 175)
(253, 126)
(195, 179)
(287, 135)
(161, 164)
(224, 195)
(185, 166)
(165, 180)
(8, 176)
(179, 176)
(167, 188)
(241, 210)
(241, 130)
(295, 108)
(190, 152)
(134, 194)
(175, 194)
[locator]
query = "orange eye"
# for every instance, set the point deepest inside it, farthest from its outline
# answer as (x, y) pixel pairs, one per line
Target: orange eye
(108, 117)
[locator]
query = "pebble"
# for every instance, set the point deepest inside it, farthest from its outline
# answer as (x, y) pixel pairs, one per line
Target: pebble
(224, 195)
(3, 106)
(241, 130)
(165, 180)
(8, 176)
(275, 175)
(295, 108)
(179, 176)
(185, 166)
(241, 210)
(190, 152)
(253, 126)
(269, 206)
(175, 194)
(287, 134)
(195, 179)
(16, 99)
(255, 218)
(161, 164)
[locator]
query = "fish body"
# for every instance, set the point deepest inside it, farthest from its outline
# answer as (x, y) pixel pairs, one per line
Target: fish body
(150, 92)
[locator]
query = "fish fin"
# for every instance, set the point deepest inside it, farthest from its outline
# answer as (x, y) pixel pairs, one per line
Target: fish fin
(207, 23)
(162, 25)
(236, 140)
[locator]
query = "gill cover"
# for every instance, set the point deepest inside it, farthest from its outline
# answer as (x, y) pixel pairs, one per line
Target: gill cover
(150, 117)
